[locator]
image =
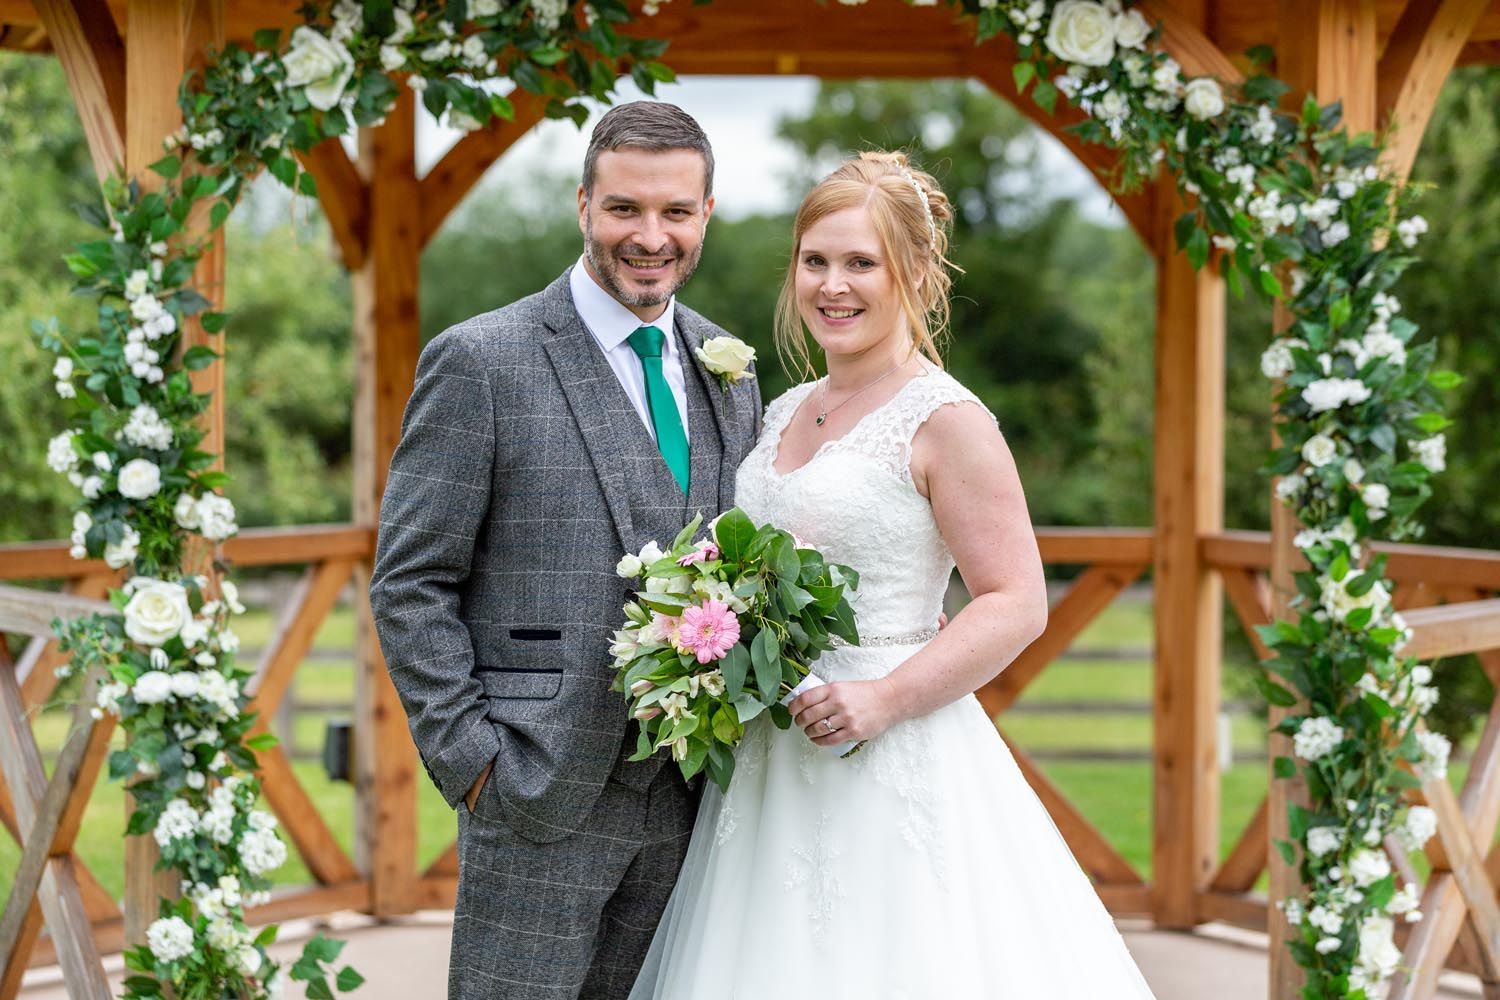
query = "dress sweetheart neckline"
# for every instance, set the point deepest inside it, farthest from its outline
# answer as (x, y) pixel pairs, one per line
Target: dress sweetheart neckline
(775, 445)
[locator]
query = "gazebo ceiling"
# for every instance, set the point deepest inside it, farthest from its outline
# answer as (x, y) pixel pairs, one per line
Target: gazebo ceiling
(802, 36)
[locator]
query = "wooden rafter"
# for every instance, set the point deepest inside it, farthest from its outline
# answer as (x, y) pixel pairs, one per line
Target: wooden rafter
(83, 35)
(1249, 596)
(1247, 859)
(461, 167)
(344, 197)
(1422, 52)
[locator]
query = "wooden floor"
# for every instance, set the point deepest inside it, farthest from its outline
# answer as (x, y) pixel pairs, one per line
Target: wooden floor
(409, 960)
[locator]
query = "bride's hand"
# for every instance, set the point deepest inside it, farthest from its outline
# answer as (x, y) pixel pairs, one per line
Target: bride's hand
(834, 714)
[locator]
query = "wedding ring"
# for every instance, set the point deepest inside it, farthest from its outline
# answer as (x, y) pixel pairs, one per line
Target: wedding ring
(829, 726)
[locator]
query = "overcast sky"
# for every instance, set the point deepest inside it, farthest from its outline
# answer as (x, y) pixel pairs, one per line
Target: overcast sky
(739, 114)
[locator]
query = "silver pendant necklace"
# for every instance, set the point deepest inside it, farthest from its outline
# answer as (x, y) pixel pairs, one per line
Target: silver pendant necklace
(823, 409)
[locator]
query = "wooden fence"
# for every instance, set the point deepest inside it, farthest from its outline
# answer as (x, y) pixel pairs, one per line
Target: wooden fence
(1426, 579)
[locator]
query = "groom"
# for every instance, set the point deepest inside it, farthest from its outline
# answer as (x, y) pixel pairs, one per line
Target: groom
(541, 442)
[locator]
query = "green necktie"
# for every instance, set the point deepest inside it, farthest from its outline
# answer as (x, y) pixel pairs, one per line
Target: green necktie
(646, 343)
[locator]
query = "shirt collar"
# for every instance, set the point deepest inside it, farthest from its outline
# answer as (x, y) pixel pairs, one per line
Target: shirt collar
(609, 321)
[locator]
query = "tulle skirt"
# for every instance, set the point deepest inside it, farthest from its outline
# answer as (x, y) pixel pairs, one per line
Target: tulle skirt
(923, 867)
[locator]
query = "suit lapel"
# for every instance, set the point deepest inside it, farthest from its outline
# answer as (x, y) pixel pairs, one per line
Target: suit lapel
(724, 404)
(585, 377)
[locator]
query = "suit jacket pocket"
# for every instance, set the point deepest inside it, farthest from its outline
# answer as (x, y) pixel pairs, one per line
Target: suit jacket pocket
(512, 682)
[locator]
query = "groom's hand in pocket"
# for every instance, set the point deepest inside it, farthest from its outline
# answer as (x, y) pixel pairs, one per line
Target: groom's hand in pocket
(837, 713)
(474, 790)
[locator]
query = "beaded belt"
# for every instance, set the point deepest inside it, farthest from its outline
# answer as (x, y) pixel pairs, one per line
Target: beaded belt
(910, 639)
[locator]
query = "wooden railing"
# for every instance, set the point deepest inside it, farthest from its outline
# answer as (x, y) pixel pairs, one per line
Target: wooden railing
(1459, 898)
(1446, 595)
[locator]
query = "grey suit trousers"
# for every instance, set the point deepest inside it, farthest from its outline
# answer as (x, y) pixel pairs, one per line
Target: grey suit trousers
(588, 940)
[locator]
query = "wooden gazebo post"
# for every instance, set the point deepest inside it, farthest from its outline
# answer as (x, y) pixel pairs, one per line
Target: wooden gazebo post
(1327, 48)
(163, 39)
(386, 343)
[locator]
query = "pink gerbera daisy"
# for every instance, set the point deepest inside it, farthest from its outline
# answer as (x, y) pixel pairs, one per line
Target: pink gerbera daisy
(709, 631)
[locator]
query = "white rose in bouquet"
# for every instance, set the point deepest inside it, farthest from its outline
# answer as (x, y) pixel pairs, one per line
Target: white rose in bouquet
(1132, 29)
(1203, 98)
(157, 611)
(1082, 32)
(321, 66)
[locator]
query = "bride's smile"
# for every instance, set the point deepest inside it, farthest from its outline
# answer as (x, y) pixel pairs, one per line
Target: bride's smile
(846, 293)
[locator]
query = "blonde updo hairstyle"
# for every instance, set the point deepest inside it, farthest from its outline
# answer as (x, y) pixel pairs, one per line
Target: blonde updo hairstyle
(884, 184)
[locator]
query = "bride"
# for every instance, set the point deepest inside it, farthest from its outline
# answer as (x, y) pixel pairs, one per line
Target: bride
(923, 866)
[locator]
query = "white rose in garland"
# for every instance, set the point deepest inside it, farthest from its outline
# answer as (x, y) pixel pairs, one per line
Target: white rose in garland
(1082, 32)
(1203, 98)
(156, 611)
(320, 66)
(152, 688)
(1319, 450)
(1369, 867)
(216, 517)
(1132, 30)
(170, 938)
(118, 555)
(139, 479)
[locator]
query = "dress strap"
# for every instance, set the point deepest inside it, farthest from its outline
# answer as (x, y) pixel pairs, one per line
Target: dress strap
(887, 438)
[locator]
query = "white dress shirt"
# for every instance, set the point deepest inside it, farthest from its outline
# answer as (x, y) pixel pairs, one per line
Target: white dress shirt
(611, 325)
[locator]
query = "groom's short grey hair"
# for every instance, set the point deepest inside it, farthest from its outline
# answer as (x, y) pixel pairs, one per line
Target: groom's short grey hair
(654, 126)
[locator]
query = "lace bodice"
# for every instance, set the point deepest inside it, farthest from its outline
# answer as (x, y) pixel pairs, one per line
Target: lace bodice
(855, 501)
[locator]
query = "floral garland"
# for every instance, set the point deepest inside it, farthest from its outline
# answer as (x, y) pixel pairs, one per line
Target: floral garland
(1357, 412)
(1277, 199)
(133, 448)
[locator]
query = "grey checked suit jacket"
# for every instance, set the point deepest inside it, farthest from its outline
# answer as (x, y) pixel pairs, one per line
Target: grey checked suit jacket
(509, 501)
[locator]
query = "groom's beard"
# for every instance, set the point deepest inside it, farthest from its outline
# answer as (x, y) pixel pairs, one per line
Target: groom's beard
(606, 264)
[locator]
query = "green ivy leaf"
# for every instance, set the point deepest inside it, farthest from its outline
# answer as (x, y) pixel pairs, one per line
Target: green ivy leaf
(167, 166)
(1022, 73)
(349, 979)
(1285, 767)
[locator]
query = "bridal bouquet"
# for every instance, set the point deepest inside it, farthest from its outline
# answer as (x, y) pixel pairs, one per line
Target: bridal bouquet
(723, 629)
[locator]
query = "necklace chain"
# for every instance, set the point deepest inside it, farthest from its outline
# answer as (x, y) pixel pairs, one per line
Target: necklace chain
(823, 409)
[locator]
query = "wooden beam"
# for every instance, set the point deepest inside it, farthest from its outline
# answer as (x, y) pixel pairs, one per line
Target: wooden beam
(58, 891)
(1422, 52)
(1250, 602)
(1247, 910)
(461, 167)
(314, 597)
(1096, 854)
(1187, 595)
(1466, 863)
(1247, 859)
(30, 612)
(344, 197)
(1095, 546)
(36, 669)
(1183, 38)
(1090, 594)
(83, 36)
(387, 341)
(1442, 900)
(47, 836)
(1453, 629)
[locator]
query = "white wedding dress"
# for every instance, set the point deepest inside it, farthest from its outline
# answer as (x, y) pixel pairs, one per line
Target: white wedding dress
(922, 868)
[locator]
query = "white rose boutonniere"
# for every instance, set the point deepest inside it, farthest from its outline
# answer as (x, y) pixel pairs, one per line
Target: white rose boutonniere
(320, 65)
(727, 357)
(1082, 32)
